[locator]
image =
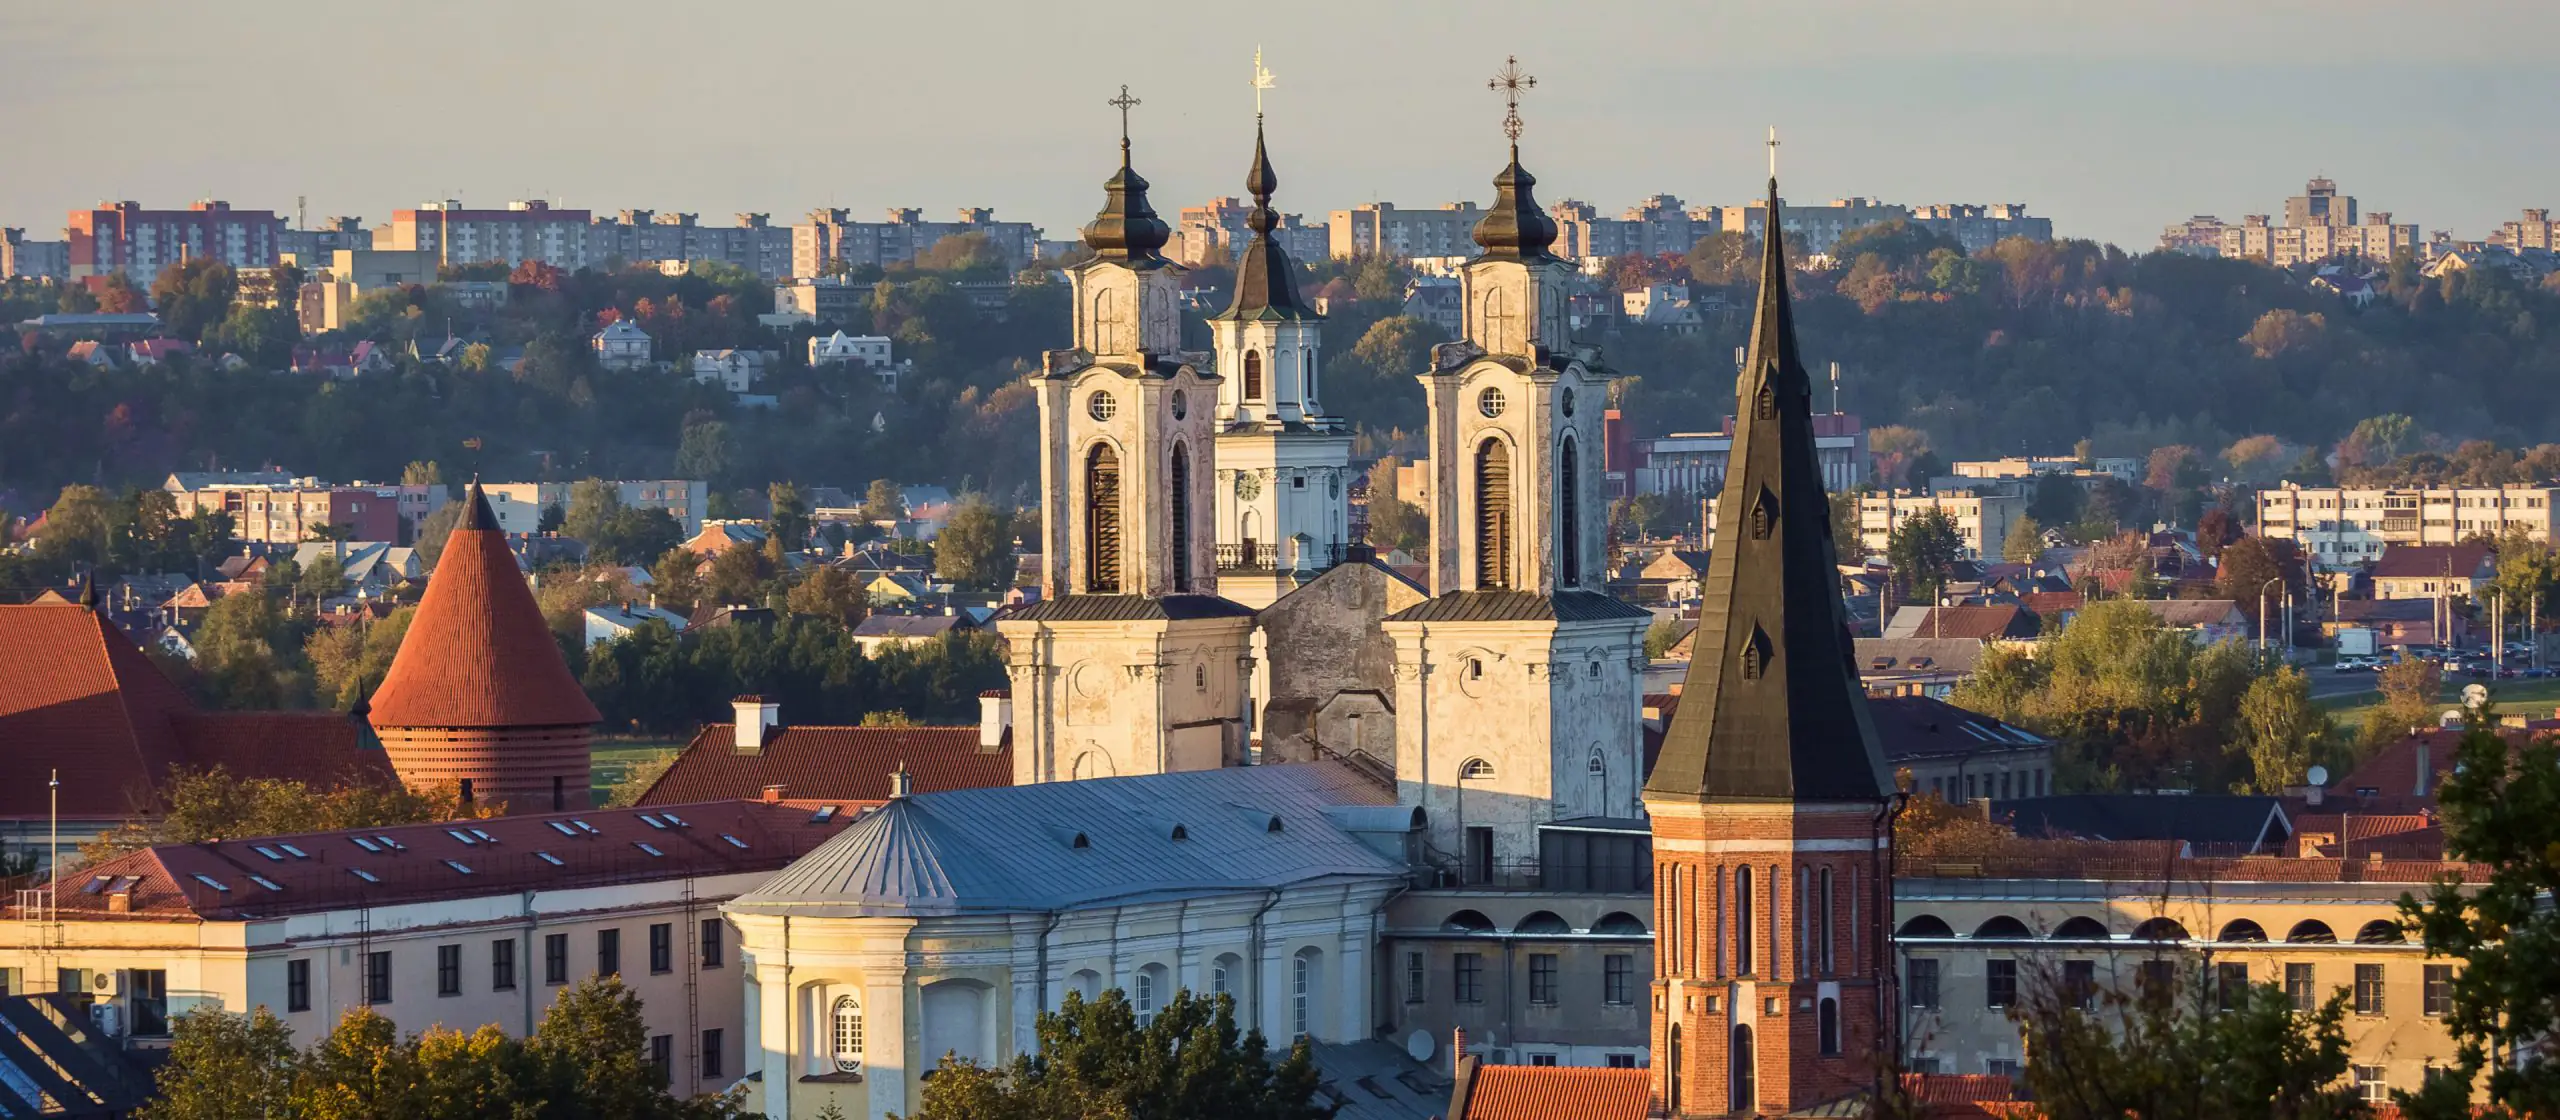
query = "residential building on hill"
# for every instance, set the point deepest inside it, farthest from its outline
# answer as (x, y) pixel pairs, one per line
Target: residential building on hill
(123, 238)
(291, 514)
(1660, 224)
(2535, 231)
(2434, 571)
(2199, 236)
(519, 505)
(2125, 469)
(21, 258)
(752, 242)
(823, 300)
(1692, 464)
(831, 235)
(1981, 520)
(1979, 226)
(2345, 526)
(1382, 227)
(524, 231)
(1219, 229)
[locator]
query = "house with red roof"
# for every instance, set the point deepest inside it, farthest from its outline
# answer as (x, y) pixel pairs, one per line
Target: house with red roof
(151, 351)
(80, 702)
(759, 755)
(2432, 571)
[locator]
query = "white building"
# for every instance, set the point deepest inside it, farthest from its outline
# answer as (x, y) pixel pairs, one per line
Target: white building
(1662, 305)
(870, 351)
(614, 621)
(2125, 469)
(519, 505)
(1981, 520)
(2338, 526)
(621, 345)
(734, 370)
(1692, 464)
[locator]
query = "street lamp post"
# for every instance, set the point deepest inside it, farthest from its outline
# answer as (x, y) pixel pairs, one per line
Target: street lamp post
(2262, 609)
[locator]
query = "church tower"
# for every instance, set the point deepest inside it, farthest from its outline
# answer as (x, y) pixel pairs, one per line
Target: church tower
(1517, 693)
(1770, 801)
(1282, 462)
(1130, 663)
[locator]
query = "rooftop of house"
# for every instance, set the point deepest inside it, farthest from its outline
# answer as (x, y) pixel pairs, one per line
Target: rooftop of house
(2437, 561)
(1918, 727)
(1492, 1092)
(478, 653)
(1897, 656)
(271, 876)
(910, 625)
(833, 763)
(2240, 822)
(1981, 623)
(2191, 612)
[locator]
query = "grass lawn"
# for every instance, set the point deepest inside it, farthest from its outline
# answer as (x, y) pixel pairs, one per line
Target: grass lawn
(2532, 697)
(615, 755)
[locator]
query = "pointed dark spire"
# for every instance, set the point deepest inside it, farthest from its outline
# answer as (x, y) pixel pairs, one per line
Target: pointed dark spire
(1266, 280)
(478, 515)
(1127, 229)
(1773, 709)
(1515, 227)
(89, 591)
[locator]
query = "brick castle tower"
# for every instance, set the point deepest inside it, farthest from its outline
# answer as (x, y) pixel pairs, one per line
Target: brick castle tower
(479, 696)
(1770, 801)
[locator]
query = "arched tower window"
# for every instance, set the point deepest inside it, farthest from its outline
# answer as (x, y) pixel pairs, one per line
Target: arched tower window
(1568, 515)
(1493, 515)
(845, 1034)
(1102, 520)
(1742, 921)
(1674, 1079)
(1106, 322)
(1501, 322)
(1746, 1092)
(1181, 484)
(1253, 375)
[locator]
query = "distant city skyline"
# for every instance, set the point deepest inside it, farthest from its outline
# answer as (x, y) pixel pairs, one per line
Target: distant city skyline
(2112, 122)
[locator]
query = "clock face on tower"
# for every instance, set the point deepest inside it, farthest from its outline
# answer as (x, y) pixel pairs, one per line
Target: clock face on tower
(1248, 485)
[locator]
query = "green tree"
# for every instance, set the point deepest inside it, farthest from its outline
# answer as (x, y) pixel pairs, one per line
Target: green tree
(2167, 1055)
(422, 472)
(1095, 1060)
(238, 658)
(828, 592)
(1846, 536)
(790, 520)
(705, 452)
(200, 805)
(2025, 543)
(222, 1066)
(2258, 573)
(2057, 499)
(592, 504)
(1724, 258)
(884, 501)
(193, 295)
(1923, 551)
(324, 578)
(435, 528)
(2282, 728)
(2527, 573)
(973, 548)
(2410, 693)
(1398, 524)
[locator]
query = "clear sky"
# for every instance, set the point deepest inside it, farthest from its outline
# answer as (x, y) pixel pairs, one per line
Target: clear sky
(2113, 118)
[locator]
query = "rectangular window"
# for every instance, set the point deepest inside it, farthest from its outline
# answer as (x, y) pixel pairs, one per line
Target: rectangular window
(377, 977)
(2079, 983)
(1542, 1059)
(448, 970)
(608, 952)
(1999, 983)
(1415, 977)
(1617, 978)
(2158, 978)
(555, 959)
(711, 1065)
(662, 1058)
(1622, 1061)
(1920, 982)
(1542, 978)
(147, 993)
(2300, 987)
(2368, 989)
(502, 965)
(2230, 985)
(1467, 977)
(715, 951)
(662, 947)
(297, 985)
(2370, 1084)
(2439, 990)
(2003, 1067)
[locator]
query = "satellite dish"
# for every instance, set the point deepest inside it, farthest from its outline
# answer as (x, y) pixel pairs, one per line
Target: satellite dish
(1419, 1045)
(2319, 776)
(2474, 695)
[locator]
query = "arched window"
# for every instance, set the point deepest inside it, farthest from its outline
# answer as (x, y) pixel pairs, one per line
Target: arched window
(1674, 1079)
(1143, 997)
(1828, 1022)
(1926, 925)
(1302, 993)
(2082, 928)
(2160, 929)
(1106, 322)
(2381, 932)
(2002, 927)
(1501, 323)
(845, 1034)
(1493, 515)
(1822, 930)
(1474, 769)
(1742, 921)
(2311, 931)
(2241, 930)
(1181, 486)
(1568, 514)
(1102, 520)
(1746, 1091)
(1253, 375)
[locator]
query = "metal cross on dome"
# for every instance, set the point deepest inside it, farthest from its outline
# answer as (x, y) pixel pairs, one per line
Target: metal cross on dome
(1124, 103)
(1511, 82)
(1261, 81)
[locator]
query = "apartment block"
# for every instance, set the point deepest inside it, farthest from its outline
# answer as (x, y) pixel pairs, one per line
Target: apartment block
(2336, 526)
(330, 236)
(2535, 231)
(824, 300)
(1981, 520)
(519, 505)
(1660, 224)
(2288, 245)
(753, 242)
(1217, 230)
(2123, 468)
(1819, 227)
(1381, 227)
(293, 513)
(831, 235)
(1980, 226)
(2199, 236)
(122, 237)
(1692, 464)
(33, 260)
(524, 231)
(333, 281)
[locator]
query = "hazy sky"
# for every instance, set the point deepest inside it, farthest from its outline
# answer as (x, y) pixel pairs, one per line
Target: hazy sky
(2114, 119)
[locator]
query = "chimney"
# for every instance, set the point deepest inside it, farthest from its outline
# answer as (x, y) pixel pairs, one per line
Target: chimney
(754, 716)
(773, 795)
(1457, 1049)
(901, 783)
(995, 717)
(2311, 796)
(2426, 770)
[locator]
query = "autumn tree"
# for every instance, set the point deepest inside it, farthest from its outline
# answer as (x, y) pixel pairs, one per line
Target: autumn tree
(1093, 1059)
(222, 1066)
(2025, 543)
(2281, 729)
(884, 501)
(828, 592)
(2176, 1054)
(2411, 691)
(974, 549)
(211, 804)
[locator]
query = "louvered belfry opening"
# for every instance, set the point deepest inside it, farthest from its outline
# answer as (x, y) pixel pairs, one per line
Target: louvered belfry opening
(1102, 521)
(1181, 518)
(1568, 516)
(1253, 375)
(1493, 515)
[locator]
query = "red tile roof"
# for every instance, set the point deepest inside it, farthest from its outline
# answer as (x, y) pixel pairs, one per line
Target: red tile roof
(77, 696)
(2051, 604)
(835, 763)
(505, 856)
(2419, 561)
(1982, 623)
(478, 653)
(1552, 1093)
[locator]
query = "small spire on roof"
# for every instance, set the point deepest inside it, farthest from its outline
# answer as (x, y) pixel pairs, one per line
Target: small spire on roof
(901, 783)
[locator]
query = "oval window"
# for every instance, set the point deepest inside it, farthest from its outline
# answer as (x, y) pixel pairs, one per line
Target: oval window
(1102, 406)
(1490, 402)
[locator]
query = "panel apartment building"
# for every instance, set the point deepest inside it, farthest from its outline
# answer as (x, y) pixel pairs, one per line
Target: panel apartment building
(831, 234)
(1204, 231)
(1982, 520)
(2319, 224)
(753, 242)
(122, 237)
(524, 231)
(2338, 526)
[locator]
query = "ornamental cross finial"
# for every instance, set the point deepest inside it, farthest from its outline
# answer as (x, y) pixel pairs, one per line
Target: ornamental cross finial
(1511, 82)
(1773, 151)
(1124, 103)
(1261, 81)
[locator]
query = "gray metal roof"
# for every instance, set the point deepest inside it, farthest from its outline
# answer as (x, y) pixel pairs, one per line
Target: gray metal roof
(1125, 608)
(1513, 606)
(1061, 845)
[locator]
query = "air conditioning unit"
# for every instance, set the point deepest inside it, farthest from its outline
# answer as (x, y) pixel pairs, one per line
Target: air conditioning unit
(105, 984)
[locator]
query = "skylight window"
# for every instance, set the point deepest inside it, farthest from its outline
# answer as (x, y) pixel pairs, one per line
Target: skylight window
(583, 826)
(97, 884)
(263, 881)
(458, 834)
(675, 820)
(551, 859)
(390, 843)
(562, 829)
(824, 814)
(365, 844)
(484, 836)
(651, 821)
(210, 881)
(295, 852)
(647, 847)
(266, 851)
(457, 865)
(734, 842)
(363, 874)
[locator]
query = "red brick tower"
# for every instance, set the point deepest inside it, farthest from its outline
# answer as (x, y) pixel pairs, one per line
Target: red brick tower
(1770, 798)
(479, 695)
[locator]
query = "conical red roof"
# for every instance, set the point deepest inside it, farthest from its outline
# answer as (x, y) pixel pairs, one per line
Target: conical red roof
(478, 654)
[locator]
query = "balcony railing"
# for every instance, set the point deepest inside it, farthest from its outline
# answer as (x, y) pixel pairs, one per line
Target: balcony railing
(1534, 875)
(1283, 556)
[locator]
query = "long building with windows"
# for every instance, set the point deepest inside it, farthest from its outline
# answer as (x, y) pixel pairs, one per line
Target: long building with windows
(2340, 526)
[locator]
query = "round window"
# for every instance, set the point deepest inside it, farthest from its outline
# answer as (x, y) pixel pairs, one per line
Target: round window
(1489, 402)
(1181, 407)
(1567, 403)
(1102, 407)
